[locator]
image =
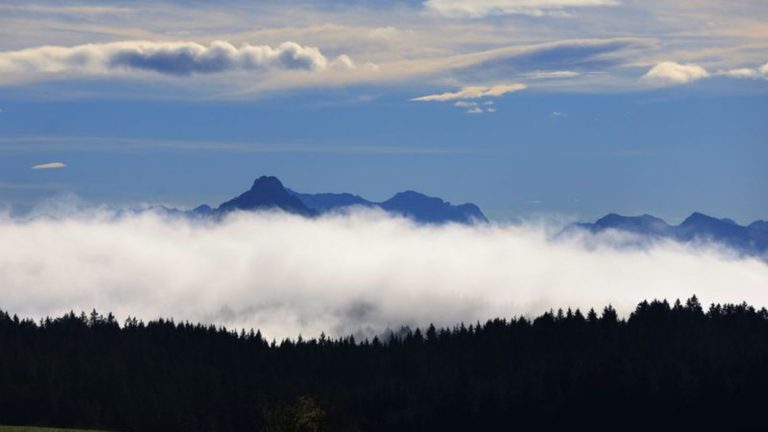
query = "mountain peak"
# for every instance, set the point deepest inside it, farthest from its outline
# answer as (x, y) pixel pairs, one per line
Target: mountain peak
(267, 183)
(267, 193)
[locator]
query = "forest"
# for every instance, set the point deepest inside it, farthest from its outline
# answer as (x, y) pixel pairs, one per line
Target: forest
(664, 366)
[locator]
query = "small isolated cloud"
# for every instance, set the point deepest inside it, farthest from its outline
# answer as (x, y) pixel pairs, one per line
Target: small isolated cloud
(490, 110)
(484, 8)
(557, 114)
(49, 165)
(675, 73)
(168, 58)
(475, 110)
(465, 104)
(473, 92)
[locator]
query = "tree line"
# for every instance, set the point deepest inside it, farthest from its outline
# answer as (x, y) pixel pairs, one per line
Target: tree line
(675, 365)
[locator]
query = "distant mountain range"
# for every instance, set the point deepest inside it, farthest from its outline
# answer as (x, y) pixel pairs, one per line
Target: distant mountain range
(268, 193)
(751, 239)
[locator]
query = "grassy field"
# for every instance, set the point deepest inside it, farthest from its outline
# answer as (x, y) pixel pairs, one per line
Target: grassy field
(38, 429)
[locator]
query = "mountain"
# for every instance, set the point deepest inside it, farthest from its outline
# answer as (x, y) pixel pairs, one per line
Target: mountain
(266, 193)
(269, 193)
(413, 205)
(324, 202)
(750, 240)
(645, 224)
(428, 209)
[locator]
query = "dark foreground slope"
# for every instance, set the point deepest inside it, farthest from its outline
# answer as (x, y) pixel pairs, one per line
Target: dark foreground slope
(675, 366)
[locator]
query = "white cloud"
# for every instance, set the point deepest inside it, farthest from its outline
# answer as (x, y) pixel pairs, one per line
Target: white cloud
(475, 110)
(742, 73)
(169, 58)
(465, 104)
(473, 92)
(363, 271)
(483, 8)
(50, 165)
(675, 73)
(552, 74)
(748, 73)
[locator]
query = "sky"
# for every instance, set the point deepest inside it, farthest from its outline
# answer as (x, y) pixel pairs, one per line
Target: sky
(575, 108)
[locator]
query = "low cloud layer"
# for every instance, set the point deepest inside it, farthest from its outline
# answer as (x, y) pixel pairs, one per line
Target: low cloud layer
(473, 92)
(484, 8)
(360, 272)
(168, 58)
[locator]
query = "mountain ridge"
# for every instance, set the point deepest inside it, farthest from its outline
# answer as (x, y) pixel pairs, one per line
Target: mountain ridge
(268, 193)
(751, 239)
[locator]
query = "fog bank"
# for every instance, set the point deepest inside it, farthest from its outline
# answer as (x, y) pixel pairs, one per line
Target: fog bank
(363, 271)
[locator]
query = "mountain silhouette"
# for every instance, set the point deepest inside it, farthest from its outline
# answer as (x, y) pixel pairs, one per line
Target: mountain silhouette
(269, 193)
(412, 205)
(428, 209)
(750, 240)
(325, 202)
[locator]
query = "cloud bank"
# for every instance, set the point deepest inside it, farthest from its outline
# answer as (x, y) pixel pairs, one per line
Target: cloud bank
(363, 271)
(473, 92)
(168, 58)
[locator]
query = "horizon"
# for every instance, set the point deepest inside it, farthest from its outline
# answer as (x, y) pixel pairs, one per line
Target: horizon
(71, 204)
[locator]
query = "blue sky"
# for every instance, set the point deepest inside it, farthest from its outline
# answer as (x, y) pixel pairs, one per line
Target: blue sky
(568, 107)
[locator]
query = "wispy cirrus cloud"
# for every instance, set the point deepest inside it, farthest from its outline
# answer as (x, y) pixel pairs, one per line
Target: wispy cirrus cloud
(484, 8)
(473, 92)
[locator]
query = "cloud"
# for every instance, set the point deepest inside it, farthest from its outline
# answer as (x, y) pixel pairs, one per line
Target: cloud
(475, 110)
(50, 165)
(552, 74)
(473, 92)
(742, 73)
(675, 73)
(748, 73)
(167, 58)
(363, 271)
(484, 8)
(465, 104)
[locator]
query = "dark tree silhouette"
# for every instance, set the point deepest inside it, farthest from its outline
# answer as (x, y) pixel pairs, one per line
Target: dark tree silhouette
(677, 366)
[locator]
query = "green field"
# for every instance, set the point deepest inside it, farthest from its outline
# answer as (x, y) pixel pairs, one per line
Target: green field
(39, 429)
